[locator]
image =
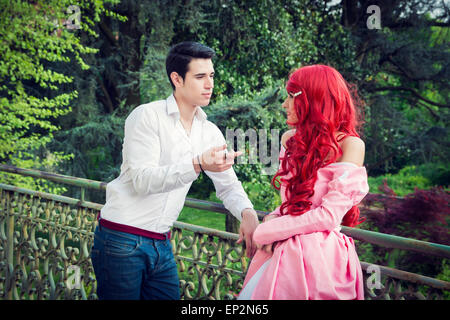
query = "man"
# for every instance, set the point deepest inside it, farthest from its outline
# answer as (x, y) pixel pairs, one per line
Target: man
(167, 144)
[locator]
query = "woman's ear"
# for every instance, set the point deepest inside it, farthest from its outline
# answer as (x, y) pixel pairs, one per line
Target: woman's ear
(177, 80)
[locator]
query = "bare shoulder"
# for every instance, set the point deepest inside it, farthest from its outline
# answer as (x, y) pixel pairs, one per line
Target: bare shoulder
(353, 150)
(285, 137)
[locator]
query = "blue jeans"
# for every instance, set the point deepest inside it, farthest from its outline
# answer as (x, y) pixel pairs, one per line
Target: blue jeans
(131, 267)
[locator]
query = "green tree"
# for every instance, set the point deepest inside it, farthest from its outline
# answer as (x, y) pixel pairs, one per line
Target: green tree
(405, 80)
(36, 38)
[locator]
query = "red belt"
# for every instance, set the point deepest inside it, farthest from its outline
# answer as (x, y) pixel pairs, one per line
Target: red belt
(133, 230)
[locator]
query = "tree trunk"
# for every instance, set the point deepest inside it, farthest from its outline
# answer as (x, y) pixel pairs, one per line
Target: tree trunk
(132, 36)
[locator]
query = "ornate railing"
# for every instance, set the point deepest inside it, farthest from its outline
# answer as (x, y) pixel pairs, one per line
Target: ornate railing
(45, 241)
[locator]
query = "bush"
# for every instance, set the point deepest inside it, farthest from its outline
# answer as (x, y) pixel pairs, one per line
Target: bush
(407, 179)
(437, 173)
(422, 215)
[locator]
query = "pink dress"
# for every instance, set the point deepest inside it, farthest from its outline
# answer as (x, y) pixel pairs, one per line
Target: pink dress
(313, 260)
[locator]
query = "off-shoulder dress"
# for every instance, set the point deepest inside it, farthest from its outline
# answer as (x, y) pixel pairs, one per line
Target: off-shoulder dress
(312, 260)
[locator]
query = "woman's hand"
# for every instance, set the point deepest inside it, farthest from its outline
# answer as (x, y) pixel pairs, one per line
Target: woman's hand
(267, 248)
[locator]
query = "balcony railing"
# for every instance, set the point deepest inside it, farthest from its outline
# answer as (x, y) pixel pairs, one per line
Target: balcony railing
(45, 241)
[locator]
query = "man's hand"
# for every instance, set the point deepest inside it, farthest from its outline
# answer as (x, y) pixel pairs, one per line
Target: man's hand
(248, 226)
(216, 159)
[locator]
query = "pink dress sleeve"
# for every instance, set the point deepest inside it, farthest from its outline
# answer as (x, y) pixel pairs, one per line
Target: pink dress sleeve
(346, 188)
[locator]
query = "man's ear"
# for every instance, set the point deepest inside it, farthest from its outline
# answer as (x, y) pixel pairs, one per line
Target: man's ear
(177, 80)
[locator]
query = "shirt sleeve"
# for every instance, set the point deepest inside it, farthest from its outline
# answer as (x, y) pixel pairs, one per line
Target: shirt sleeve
(346, 189)
(142, 149)
(230, 191)
(228, 187)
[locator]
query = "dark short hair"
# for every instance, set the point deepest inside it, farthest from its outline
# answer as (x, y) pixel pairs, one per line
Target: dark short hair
(182, 53)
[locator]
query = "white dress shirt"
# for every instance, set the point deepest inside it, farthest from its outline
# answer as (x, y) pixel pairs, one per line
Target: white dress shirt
(157, 169)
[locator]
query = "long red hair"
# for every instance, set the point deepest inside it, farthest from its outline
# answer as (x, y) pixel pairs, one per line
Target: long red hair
(326, 105)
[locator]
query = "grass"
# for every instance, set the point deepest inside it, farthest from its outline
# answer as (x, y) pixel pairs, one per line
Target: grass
(203, 218)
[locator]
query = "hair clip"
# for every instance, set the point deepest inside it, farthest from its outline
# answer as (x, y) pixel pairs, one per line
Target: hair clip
(297, 93)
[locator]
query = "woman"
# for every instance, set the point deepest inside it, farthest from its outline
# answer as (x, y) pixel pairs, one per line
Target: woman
(302, 253)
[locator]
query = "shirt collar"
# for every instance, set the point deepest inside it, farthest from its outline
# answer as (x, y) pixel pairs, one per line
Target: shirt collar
(172, 109)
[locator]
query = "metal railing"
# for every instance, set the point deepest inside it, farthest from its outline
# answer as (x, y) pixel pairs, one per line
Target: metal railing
(45, 241)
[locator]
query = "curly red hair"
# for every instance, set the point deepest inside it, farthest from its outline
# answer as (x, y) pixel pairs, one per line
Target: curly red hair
(327, 105)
